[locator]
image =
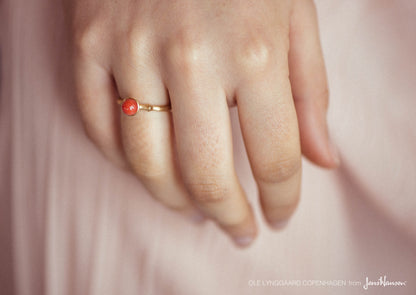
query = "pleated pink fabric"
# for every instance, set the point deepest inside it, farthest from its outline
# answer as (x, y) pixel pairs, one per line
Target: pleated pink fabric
(73, 224)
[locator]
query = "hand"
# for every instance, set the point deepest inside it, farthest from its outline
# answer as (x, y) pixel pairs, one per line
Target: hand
(203, 57)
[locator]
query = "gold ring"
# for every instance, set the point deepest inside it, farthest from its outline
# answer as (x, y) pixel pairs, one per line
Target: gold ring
(130, 106)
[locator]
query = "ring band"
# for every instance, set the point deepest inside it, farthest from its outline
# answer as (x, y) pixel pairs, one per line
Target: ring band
(130, 106)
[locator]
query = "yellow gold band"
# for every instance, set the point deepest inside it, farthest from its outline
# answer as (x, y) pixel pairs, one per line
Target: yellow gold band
(130, 106)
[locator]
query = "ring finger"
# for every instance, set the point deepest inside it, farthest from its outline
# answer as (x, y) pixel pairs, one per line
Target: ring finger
(147, 137)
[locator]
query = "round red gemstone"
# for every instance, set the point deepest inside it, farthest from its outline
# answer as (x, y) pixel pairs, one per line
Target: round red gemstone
(130, 106)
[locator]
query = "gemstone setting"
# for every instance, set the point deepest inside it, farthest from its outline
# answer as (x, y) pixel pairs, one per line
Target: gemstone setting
(130, 106)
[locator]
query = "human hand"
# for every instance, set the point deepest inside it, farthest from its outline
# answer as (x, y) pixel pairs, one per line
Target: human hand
(203, 57)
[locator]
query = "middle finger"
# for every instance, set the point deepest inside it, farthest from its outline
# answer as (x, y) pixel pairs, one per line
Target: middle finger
(203, 138)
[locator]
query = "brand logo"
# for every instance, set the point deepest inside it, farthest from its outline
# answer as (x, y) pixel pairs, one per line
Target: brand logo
(383, 282)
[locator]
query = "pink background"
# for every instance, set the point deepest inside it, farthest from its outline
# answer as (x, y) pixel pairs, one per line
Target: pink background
(71, 223)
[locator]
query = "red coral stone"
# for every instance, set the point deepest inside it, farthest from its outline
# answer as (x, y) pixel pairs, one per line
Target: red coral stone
(130, 106)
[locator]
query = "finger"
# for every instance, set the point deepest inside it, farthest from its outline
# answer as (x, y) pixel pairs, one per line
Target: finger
(204, 145)
(309, 85)
(96, 95)
(270, 131)
(147, 137)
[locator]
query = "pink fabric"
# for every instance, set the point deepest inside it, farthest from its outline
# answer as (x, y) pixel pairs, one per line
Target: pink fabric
(71, 223)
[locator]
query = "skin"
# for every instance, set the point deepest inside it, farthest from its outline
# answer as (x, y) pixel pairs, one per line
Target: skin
(203, 57)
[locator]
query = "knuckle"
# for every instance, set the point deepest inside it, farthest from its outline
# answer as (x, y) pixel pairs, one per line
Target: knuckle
(136, 43)
(146, 165)
(208, 190)
(142, 154)
(254, 54)
(278, 170)
(86, 40)
(148, 171)
(185, 52)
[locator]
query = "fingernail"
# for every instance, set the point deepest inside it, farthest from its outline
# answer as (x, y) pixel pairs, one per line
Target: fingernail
(334, 153)
(281, 224)
(243, 241)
